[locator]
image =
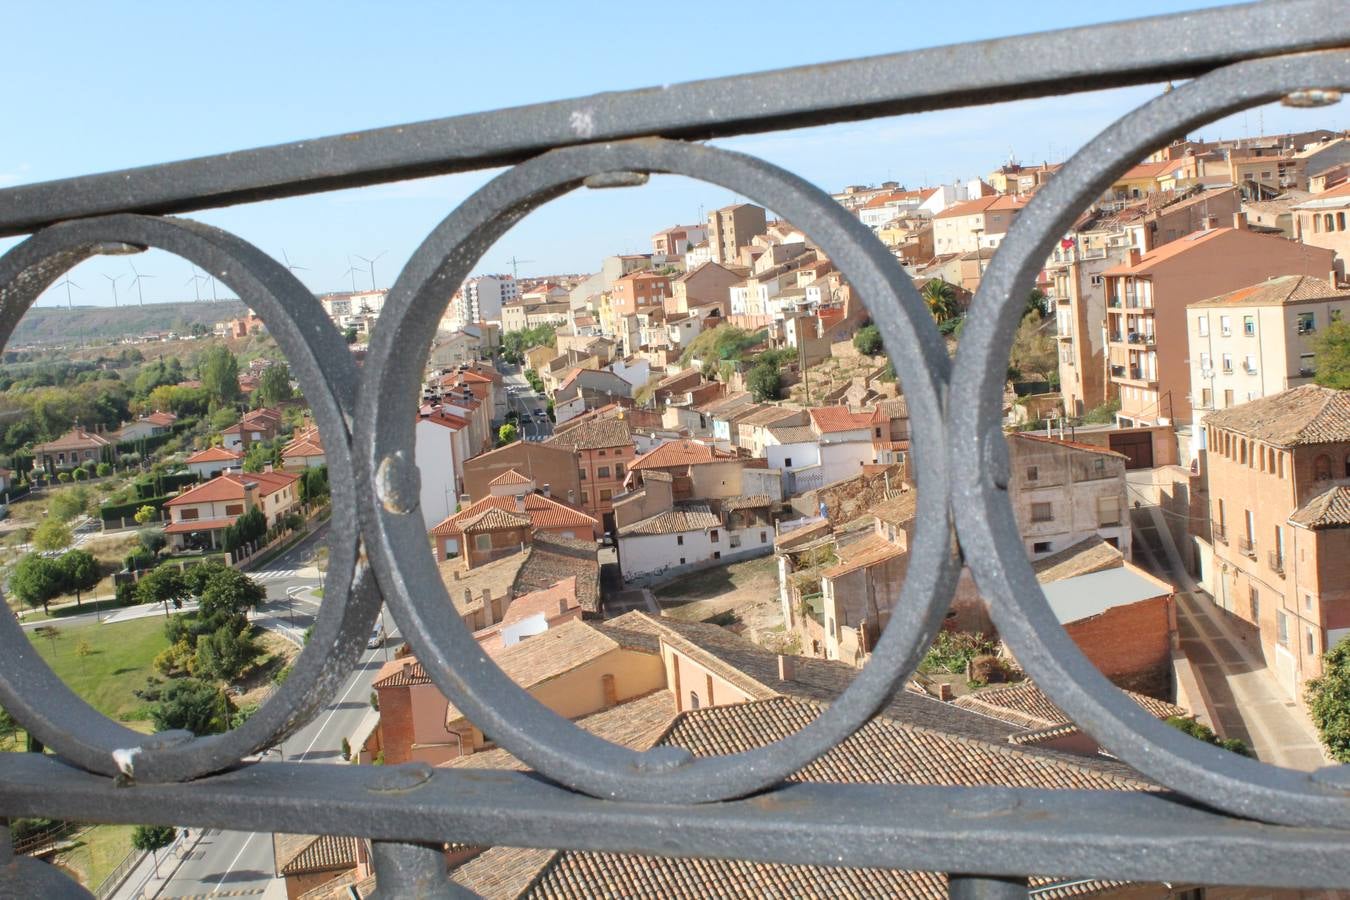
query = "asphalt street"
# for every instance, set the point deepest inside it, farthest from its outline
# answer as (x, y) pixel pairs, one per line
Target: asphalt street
(520, 398)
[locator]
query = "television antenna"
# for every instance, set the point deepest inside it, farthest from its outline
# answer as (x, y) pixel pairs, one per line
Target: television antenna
(69, 284)
(371, 263)
(112, 282)
(515, 266)
(136, 282)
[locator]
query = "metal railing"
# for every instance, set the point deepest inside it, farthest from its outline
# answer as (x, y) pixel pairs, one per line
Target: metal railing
(1222, 818)
(1276, 561)
(1247, 547)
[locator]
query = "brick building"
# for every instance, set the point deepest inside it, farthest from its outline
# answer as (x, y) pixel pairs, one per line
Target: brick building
(604, 449)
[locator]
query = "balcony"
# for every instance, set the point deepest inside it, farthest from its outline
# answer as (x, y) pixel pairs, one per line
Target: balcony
(1247, 547)
(1220, 535)
(1216, 820)
(1275, 559)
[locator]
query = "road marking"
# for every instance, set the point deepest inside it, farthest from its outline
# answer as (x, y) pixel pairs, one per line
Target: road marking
(240, 892)
(356, 679)
(273, 574)
(248, 840)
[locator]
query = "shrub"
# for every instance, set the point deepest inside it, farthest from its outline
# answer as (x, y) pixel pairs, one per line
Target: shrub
(152, 837)
(988, 669)
(375, 700)
(868, 340)
(63, 477)
(103, 470)
(80, 474)
(1202, 732)
(346, 749)
(125, 593)
(952, 651)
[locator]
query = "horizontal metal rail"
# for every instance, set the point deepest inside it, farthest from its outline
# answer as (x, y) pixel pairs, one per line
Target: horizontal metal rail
(1015, 68)
(979, 831)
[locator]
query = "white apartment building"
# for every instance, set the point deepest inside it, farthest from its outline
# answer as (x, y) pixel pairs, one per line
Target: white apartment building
(481, 299)
(1258, 340)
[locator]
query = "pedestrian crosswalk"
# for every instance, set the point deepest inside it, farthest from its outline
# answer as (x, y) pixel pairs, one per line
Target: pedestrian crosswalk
(274, 574)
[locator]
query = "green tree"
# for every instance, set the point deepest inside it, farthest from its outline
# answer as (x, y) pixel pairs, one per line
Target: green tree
(223, 418)
(52, 534)
(763, 383)
(1033, 351)
(349, 335)
(1331, 356)
(192, 704)
(274, 386)
(81, 572)
(940, 299)
(314, 485)
(1328, 698)
(36, 579)
(163, 585)
(145, 515)
(1035, 304)
(868, 340)
(151, 540)
(69, 503)
(152, 837)
(227, 597)
(507, 434)
(220, 375)
(1202, 732)
(225, 653)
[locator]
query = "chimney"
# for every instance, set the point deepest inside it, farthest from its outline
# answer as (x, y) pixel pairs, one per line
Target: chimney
(520, 502)
(547, 490)
(944, 691)
(1134, 256)
(1211, 222)
(468, 596)
(787, 667)
(1240, 221)
(407, 668)
(487, 607)
(497, 605)
(611, 692)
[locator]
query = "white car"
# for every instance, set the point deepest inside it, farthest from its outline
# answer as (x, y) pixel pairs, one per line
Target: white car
(376, 637)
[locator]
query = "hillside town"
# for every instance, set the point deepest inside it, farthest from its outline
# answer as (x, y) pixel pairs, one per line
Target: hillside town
(672, 498)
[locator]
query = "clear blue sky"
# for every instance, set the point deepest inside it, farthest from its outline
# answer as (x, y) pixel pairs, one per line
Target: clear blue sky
(99, 86)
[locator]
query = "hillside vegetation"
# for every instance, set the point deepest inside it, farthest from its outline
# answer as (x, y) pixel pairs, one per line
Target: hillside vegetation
(53, 325)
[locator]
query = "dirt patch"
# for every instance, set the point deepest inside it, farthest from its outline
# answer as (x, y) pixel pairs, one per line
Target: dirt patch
(741, 595)
(276, 653)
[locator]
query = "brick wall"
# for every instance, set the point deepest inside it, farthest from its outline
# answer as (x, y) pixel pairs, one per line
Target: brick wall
(396, 724)
(1131, 645)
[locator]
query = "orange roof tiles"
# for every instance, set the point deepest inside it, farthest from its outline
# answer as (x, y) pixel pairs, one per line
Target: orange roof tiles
(233, 487)
(543, 512)
(681, 452)
(214, 454)
(510, 476)
(831, 419)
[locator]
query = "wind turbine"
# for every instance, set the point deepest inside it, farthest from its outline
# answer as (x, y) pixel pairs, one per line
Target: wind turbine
(136, 282)
(196, 282)
(292, 266)
(371, 263)
(211, 278)
(69, 284)
(112, 282)
(515, 266)
(352, 269)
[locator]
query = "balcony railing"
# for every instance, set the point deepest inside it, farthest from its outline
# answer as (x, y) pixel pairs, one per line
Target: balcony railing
(1219, 533)
(1219, 818)
(1276, 561)
(1247, 547)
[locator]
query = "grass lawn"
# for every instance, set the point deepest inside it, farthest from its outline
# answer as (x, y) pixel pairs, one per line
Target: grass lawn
(96, 853)
(721, 579)
(117, 663)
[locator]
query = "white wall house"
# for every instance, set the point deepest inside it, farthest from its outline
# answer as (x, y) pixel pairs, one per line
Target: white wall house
(438, 447)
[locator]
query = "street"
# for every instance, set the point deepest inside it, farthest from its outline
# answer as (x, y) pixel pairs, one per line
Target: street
(240, 862)
(521, 399)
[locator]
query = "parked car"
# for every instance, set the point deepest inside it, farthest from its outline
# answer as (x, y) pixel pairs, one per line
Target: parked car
(376, 637)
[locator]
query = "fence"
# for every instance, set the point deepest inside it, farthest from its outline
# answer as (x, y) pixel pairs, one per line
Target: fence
(1223, 819)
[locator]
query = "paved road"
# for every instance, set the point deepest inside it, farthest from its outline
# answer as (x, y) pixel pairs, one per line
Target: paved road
(1225, 653)
(522, 399)
(240, 863)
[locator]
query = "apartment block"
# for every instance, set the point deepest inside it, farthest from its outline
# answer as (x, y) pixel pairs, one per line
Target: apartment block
(1258, 340)
(733, 227)
(1321, 221)
(1146, 300)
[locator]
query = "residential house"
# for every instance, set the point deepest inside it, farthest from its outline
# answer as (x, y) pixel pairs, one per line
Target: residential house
(1079, 292)
(1146, 310)
(676, 240)
(1064, 492)
(441, 445)
(1321, 221)
(257, 425)
(310, 862)
(304, 450)
(199, 516)
(603, 444)
(581, 390)
(1277, 470)
(551, 467)
(639, 292)
(981, 222)
(1275, 216)
(1258, 340)
(752, 431)
(152, 425)
(480, 299)
(845, 441)
(74, 448)
(514, 511)
(212, 461)
(706, 285)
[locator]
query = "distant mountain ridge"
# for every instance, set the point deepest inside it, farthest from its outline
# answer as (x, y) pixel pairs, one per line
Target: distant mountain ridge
(55, 325)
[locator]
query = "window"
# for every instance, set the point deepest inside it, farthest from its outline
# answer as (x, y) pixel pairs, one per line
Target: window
(693, 695)
(717, 554)
(1227, 397)
(1202, 326)
(1033, 473)
(1040, 547)
(1307, 602)
(600, 452)
(1099, 466)
(618, 470)
(1042, 512)
(1310, 641)
(605, 494)
(1205, 365)
(1307, 323)
(188, 515)
(681, 560)
(763, 537)
(1108, 511)
(585, 498)
(787, 462)
(482, 542)
(1340, 221)
(581, 474)
(1249, 325)
(1228, 363)
(1254, 599)
(1206, 398)
(714, 536)
(602, 472)
(1226, 325)
(234, 509)
(1282, 627)
(679, 540)
(735, 541)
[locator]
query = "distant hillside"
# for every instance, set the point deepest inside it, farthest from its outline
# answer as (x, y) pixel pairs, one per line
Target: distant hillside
(55, 325)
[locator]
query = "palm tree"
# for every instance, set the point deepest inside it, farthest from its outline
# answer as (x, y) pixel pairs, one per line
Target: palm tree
(941, 300)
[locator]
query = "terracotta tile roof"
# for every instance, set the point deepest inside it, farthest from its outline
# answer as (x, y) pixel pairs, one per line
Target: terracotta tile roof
(792, 434)
(1166, 252)
(298, 853)
(162, 419)
(1077, 445)
(214, 454)
(1337, 196)
(768, 414)
(726, 404)
(1310, 414)
(550, 559)
(190, 525)
(870, 551)
(75, 439)
(1027, 706)
(403, 672)
(983, 204)
(492, 519)
(547, 655)
(542, 512)
(306, 442)
(594, 434)
(682, 452)
(831, 419)
(752, 501)
(1329, 509)
(510, 476)
(1083, 558)
(803, 534)
(233, 487)
(898, 510)
(1277, 292)
(686, 515)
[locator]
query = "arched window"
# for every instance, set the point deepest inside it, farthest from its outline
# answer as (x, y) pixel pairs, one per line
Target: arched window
(1322, 467)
